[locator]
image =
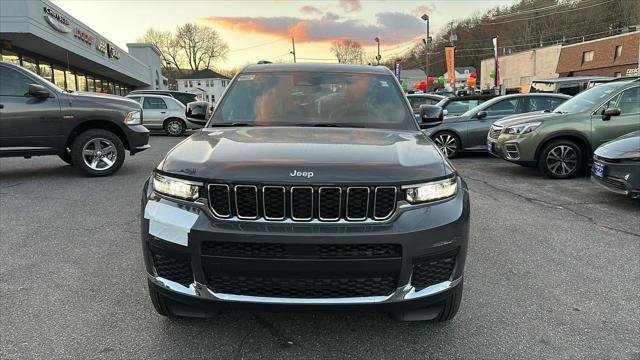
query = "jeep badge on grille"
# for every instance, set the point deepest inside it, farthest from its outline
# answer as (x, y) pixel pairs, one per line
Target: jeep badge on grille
(296, 173)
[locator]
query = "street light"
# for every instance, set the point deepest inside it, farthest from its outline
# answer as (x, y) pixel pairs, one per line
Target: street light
(378, 57)
(425, 18)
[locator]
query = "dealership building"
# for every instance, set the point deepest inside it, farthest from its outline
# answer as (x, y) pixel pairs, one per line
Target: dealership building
(45, 39)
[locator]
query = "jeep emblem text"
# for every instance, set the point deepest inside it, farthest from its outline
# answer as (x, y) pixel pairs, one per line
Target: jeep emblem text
(307, 174)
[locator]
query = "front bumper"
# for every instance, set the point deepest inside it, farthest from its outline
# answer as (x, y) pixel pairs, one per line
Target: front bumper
(618, 177)
(137, 138)
(514, 148)
(426, 234)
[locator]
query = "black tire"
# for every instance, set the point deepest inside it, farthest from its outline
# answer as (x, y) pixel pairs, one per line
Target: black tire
(174, 127)
(561, 159)
(106, 138)
(451, 305)
(66, 157)
(159, 302)
(448, 143)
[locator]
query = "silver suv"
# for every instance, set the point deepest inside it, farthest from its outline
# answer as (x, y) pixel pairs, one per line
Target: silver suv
(162, 112)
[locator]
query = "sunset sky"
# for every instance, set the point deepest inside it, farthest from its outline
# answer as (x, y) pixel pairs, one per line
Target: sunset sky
(257, 30)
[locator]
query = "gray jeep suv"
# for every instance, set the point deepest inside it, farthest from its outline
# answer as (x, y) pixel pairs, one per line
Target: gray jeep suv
(310, 186)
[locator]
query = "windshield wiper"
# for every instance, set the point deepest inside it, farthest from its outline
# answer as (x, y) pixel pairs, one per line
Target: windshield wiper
(330, 125)
(229, 124)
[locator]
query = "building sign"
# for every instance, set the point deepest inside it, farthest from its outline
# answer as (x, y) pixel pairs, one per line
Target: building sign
(57, 21)
(107, 49)
(633, 72)
(84, 36)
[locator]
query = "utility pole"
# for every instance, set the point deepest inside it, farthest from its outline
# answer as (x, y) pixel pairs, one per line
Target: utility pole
(378, 57)
(427, 42)
(293, 42)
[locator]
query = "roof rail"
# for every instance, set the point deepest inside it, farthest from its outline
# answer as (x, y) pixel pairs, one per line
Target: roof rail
(264, 62)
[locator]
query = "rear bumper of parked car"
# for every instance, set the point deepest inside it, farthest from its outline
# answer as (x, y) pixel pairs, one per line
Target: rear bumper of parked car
(204, 265)
(619, 177)
(138, 138)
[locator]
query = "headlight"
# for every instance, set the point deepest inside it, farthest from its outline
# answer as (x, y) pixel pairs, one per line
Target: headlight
(522, 128)
(431, 191)
(133, 117)
(182, 189)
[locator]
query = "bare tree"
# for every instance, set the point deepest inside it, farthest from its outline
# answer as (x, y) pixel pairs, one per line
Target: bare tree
(347, 51)
(170, 54)
(201, 45)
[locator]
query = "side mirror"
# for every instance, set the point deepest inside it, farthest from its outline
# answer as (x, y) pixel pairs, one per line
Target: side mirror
(609, 112)
(38, 91)
(430, 116)
(445, 112)
(481, 114)
(197, 112)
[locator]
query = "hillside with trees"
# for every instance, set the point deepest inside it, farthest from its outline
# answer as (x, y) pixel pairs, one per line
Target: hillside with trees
(525, 25)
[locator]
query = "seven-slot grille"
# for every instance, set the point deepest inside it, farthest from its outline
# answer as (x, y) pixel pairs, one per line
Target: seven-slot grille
(495, 132)
(303, 203)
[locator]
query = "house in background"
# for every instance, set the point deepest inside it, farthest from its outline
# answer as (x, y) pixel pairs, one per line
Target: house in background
(462, 75)
(208, 85)
(411, 76)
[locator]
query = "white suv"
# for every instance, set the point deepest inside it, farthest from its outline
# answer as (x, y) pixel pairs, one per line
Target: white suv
(164, 112)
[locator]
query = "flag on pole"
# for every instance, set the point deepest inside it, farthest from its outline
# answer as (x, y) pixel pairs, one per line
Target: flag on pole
(449, 54)
(496, 64)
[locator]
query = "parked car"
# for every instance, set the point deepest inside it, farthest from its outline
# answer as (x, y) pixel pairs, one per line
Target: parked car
(572, 85)
(183, 97)
(458, 105)
(88, 130)
(561, 142)
(294, 197)
(164, 113)
(468, 132)
(616, 165)
(415, 100)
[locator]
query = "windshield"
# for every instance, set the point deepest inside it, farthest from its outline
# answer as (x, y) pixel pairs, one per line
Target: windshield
(586, 100)
(315, 99)
(542, 87)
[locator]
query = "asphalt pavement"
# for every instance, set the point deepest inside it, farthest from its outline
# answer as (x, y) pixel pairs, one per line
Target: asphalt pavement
(552, 272)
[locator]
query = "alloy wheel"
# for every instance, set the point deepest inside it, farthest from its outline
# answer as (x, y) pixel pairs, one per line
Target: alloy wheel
(447, 144)
(562, 160)
(174, 127)
(99, 154)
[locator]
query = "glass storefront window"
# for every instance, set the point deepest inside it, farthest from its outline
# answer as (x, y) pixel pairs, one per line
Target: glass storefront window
(117, 89)
(29, 63)
(107, 87)
(98, 85)
(82, 82)
(45, 70)
(10, 57)
(58, 77)
(71, 80)
(91, 86)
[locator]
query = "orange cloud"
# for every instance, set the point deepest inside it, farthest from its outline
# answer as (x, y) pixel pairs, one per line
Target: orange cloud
(392, 28)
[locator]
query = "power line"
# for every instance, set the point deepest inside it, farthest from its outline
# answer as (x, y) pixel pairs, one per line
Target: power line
(257, 45)
(549, 14)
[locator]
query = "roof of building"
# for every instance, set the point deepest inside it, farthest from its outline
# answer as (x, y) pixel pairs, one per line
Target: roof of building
(203, 74)
(347, 68)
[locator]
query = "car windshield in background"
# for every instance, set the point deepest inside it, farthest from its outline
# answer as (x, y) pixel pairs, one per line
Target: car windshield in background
(315, 99)
(587, 99)
(542, 87)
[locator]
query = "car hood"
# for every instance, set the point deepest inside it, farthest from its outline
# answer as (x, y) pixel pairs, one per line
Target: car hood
(103, 99)
(529, 117)
(271, 154)
(624, 147)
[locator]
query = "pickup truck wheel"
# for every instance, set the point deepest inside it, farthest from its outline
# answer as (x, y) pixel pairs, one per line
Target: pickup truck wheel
(561, 159)
(97, 152)
(448, 143)
(66, 157)
(159, 302)
(174, 127)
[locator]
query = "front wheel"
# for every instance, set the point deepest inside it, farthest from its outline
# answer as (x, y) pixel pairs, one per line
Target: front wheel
(174, 127)
(448, 143)
(97, 152)
(561, 159)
